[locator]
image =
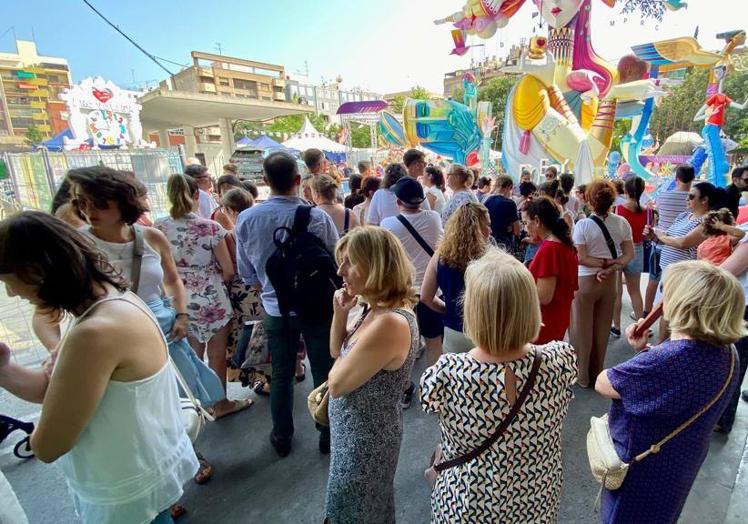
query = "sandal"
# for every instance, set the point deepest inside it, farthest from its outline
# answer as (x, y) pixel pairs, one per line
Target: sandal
(300, 378)
(204, 472)
(259, 388)
(177, 511)
(236, 407)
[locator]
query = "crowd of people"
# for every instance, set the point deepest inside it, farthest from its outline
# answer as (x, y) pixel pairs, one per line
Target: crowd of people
(511, 292)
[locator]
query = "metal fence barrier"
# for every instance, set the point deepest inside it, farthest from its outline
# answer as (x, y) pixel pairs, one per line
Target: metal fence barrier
(33, 179)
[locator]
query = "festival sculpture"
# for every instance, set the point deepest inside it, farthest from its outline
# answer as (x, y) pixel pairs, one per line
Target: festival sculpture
(460, 131)
(564, 106)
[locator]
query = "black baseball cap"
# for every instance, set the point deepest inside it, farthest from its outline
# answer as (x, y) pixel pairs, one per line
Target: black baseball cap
(408, 191)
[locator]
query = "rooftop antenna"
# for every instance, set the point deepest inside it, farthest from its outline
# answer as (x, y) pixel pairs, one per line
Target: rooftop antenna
(219, 48)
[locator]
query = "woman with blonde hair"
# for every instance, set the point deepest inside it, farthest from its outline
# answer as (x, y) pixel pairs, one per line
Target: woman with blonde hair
(518, 476)
(325, 195)
(372, 367)
(662, 388)
(204, 265)
(466, 237)
(459, 180)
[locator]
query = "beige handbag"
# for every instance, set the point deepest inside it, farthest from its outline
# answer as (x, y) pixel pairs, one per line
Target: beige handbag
(317, 402)
(607, 467)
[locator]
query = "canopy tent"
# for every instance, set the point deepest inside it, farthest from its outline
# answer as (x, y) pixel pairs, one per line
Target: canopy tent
(57, 142)
(244, 141)
(310, 138)
(265, 142)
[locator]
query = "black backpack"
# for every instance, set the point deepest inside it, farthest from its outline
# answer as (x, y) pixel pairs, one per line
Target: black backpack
(302, 271)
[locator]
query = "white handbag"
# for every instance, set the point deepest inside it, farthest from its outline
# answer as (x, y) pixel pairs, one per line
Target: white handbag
(194, 416)
(607, 467)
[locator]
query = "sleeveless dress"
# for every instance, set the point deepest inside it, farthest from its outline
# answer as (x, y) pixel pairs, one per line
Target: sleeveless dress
(133, 456)
(203, 382)
(366, 428)
(519, 478)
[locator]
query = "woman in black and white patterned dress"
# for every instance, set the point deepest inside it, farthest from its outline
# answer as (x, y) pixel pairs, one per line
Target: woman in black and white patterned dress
(374, 361)
(519, 478)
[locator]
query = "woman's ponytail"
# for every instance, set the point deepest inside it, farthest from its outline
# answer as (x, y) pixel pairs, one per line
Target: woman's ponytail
(181, 191)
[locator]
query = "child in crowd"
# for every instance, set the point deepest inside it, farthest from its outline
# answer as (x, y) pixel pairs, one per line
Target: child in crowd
(722, 237)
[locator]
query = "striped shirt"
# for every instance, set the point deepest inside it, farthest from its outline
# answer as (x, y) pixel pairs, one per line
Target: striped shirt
(670, 204)
(682, 226)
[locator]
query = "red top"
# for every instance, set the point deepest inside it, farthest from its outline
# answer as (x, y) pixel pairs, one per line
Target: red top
(637, 221)
(555, 259)
(716, 105)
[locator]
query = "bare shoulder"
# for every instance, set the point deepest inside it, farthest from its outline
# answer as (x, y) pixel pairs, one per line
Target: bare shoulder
(154, 236)
(390, 325)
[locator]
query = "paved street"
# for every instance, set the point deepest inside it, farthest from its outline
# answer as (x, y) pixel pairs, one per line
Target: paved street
(251, 484)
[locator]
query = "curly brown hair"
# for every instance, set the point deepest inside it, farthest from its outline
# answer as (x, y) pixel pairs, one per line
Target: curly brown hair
(601, 196)
(463, 239)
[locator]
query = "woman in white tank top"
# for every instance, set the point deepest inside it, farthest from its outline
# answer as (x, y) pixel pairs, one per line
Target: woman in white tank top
(110, 411)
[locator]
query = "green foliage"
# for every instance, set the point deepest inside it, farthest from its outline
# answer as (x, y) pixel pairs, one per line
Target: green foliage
(33, 135)
(288, 125)
(496, 91)
(620, 128)
(675, 112)
(360, 136)
(397, 105)
(419, 93)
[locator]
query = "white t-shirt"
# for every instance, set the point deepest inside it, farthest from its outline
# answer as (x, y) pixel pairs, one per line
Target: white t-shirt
(588, 233)
(206, 204)
(383, 205)
(438, 195)
(429, 225)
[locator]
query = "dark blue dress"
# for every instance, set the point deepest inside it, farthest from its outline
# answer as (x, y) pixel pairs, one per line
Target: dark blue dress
(660, 389)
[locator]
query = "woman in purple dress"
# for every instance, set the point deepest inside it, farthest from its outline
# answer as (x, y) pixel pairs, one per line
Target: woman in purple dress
(662, 387)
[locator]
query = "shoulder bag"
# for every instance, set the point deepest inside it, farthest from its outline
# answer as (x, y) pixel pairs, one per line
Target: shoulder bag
(194, 416)
(319, 399)
(606, 234)
(416, 235)
(607, 467)
(436, 464)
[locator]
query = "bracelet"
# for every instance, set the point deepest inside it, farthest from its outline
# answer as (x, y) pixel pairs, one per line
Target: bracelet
(182, 315)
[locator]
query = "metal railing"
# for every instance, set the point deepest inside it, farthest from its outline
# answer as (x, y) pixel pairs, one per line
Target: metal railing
(32, 182)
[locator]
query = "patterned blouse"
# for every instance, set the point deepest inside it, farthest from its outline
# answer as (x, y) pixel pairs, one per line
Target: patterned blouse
(519, 478)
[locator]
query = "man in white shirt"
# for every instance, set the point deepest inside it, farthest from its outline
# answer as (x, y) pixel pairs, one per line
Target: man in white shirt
(419, 231)
(204, 180)
(315, 162)
(384, 202)
(415, 163)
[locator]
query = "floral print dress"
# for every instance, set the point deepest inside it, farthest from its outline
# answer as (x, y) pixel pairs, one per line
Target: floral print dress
(192, 240)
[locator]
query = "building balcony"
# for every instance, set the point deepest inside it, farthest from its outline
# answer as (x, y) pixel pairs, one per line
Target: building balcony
(279, 82)
(208, 88)
(38, 81)
(41, 93)
(205, 72)
(35, 104)
(279, 97)
(39, 116)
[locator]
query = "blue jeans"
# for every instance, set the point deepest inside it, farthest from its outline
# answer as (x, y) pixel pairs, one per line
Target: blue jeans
(163, 518)
(204, 383)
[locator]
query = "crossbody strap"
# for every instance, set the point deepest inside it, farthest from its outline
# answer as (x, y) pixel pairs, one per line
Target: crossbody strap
(137, 257)
(467, 457)
(606, 234)
(426, 247)
(655, 448)
(346, 221)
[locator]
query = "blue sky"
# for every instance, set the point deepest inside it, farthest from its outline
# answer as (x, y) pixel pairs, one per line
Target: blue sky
(384, 45)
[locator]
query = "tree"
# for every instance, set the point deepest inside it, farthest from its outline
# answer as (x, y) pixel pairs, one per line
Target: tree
(33, 135)
(397, 105)
(497, 91)
(676, 111)
(419, 93)
(736, 122)
(360, 135)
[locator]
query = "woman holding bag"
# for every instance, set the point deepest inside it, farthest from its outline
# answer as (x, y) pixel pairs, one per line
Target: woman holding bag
(113, 423)
(662, 387)
(518, 477)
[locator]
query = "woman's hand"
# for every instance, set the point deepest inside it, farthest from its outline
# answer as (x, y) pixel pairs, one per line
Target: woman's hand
(343, 302)
(604, 274)
(179, 331)
(637, 342)
(48, 366)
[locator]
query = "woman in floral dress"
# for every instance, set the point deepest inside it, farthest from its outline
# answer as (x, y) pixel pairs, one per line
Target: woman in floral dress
(204, 264)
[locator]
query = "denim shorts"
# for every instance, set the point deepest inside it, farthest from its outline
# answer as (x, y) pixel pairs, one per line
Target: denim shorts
(655, 272)
(637, 263)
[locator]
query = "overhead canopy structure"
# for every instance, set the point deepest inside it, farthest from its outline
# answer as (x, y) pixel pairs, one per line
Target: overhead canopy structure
(310, 138)
(162, 108)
